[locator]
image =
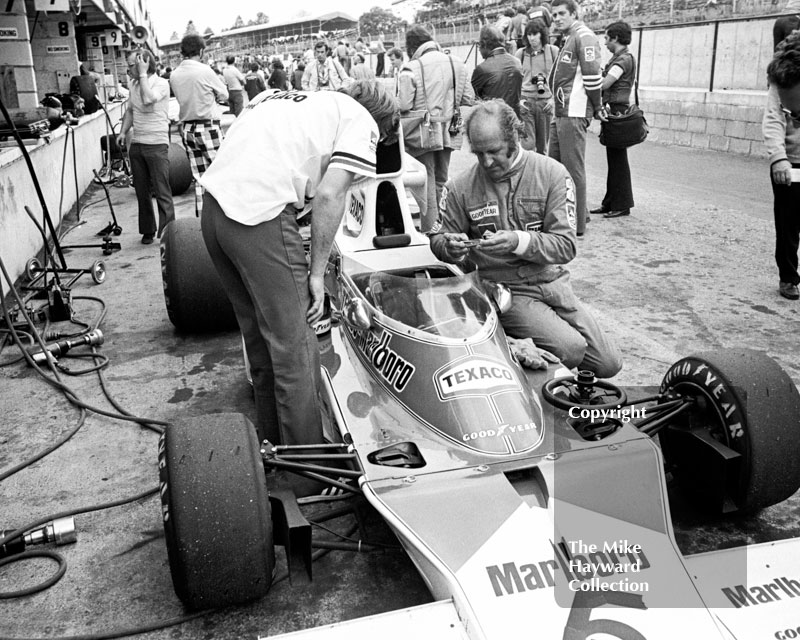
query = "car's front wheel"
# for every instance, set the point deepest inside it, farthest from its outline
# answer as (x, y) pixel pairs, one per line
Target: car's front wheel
(216, 511)
(739, 445)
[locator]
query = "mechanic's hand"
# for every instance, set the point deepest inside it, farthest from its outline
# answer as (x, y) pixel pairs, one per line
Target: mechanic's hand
(782, 172)
(121, 140)
(601, 114)
(500, 242)
(455, 247)
(316, 287)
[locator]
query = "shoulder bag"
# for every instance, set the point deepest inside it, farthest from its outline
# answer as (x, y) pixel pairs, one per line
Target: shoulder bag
(625, 129)
(418, 130)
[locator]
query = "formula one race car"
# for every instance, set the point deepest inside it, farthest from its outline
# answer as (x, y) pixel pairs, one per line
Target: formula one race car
(533, 502)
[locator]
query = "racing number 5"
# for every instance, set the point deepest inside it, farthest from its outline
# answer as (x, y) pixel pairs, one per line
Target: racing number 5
(579, 627)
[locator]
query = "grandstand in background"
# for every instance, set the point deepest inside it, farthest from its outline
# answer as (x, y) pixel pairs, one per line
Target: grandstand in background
(459, 24)
(265, 40)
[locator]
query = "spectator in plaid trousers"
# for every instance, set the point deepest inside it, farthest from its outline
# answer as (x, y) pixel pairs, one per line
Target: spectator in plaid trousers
(197, 89)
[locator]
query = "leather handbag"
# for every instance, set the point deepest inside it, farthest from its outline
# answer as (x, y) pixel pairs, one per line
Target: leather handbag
(623, 130)
(419, 133)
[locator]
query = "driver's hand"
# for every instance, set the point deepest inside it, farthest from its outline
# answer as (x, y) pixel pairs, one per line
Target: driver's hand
(499, 242)
(316, 287)
(454, 244)
(782, 172)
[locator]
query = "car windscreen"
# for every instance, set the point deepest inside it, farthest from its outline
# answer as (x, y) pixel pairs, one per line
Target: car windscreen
(433, 300)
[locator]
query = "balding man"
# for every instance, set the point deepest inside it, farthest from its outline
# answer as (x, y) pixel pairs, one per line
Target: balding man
(520, 207)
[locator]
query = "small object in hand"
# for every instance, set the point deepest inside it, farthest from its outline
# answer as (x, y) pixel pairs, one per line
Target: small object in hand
(471, 243)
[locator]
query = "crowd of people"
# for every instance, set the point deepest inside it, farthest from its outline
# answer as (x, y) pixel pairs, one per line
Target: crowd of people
(515, 215)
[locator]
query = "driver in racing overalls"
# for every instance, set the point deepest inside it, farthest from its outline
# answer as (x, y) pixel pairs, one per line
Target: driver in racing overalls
(520, 206)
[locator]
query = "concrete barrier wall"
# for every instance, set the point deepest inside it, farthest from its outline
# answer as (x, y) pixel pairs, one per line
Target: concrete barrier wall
(726, 121)
(19, 239)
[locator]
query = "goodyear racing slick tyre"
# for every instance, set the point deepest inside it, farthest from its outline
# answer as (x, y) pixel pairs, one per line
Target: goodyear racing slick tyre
(193, 292)
(216, 511)
(747, 402)
(180, 172)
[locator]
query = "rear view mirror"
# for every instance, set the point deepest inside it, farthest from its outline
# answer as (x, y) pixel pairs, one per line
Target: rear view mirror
(357, 315)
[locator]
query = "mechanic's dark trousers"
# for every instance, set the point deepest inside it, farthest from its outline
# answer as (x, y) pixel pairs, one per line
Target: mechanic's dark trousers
(568, 146)
(550, 314)
(437, 164)
(236, 101)
(264, 272)
(787, 229)
(619, 192)
(150, 167)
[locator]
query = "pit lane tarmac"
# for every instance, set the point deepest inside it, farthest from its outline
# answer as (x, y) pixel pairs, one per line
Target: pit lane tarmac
(690, 270)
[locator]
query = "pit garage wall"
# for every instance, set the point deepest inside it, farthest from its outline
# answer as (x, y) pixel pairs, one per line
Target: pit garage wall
(702, 85)
(19, 239)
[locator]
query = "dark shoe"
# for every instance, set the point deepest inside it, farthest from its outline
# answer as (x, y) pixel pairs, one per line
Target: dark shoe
(600, 209)
(617, 214)
(789, 290)
(147, 238)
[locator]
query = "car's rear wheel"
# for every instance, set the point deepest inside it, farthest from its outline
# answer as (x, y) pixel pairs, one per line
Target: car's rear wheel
(180, 171)
(193, 292)
(216, 511)
(738, 447)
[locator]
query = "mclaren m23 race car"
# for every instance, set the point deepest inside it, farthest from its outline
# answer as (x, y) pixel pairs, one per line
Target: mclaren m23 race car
(532, 502)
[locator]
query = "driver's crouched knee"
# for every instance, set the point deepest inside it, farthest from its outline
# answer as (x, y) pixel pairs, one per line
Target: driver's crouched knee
(571, 350)
(608, 365)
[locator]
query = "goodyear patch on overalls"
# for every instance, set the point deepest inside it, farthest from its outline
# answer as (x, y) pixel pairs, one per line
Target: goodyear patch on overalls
(570, 190)
(488, 210)
(443, 200)
(534, 226)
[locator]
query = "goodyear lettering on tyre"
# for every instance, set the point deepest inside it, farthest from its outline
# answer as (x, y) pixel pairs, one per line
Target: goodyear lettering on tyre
(695, 372)
(162, 476)
(164, 259)
(474, 375)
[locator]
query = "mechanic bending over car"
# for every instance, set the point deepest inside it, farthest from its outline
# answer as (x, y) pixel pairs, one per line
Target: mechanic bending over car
(284, 149)
(520, 206)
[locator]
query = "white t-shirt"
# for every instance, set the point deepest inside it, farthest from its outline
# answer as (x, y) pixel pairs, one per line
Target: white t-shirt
(280, 147)
(151, 121)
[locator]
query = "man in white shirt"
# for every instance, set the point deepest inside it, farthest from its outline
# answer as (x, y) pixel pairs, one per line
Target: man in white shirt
(234, 80)
(197, 89)
(287, 148)
(148, 117)
(325, 73)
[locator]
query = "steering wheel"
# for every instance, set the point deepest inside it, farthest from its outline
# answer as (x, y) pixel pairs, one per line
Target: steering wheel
(583, 391)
